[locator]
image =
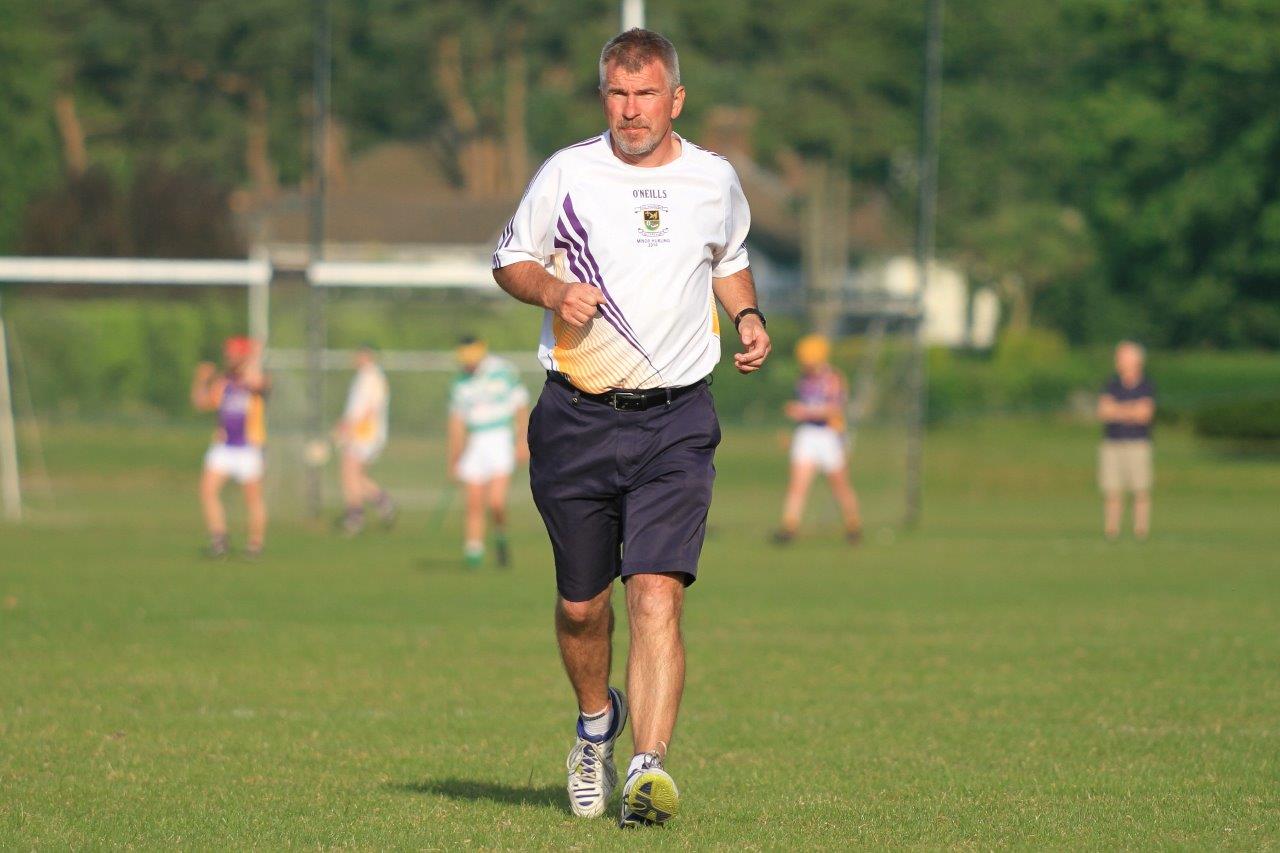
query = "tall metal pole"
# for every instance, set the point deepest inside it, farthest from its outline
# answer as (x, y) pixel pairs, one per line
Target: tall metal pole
(632, 14)
(925, 225)
(10, 481)
(316, 333)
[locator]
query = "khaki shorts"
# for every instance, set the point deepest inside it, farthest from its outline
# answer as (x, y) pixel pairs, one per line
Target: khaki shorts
(1125, 466)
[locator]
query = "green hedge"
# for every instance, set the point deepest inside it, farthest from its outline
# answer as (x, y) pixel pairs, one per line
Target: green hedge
(133, 353)
(1243, 420)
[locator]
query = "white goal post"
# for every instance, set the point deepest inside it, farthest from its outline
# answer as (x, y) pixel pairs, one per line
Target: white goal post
(254, 275)
(467, 270)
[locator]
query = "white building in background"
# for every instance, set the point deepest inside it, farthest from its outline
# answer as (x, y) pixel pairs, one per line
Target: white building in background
(952, 316)
(984, 318)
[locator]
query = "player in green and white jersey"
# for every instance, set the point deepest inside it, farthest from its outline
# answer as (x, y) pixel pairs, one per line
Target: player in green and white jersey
(488, 435)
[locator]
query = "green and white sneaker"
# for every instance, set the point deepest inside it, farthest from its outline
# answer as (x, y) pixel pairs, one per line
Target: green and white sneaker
(650, 796)
(592, 774)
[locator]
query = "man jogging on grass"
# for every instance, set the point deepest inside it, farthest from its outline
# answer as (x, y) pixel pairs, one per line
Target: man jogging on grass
(646, 230)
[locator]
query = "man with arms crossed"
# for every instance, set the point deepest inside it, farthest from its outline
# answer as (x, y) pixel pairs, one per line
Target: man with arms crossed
(1126, 408)
(238, 395)
(648, 229)
(488, 429)
(362, 435)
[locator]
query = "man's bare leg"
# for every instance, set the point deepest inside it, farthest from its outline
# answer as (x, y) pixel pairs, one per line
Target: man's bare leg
(256, 507)
(584, 631)
(370, 490)
(797, 490)
(473, 526)
(847, 498)
(1141, 514)
(1113, 509)
(215, 518)
(655, 668)
(351, 482)
(497, 500)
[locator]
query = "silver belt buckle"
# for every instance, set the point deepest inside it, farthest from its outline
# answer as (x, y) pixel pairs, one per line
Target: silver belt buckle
(624, 401)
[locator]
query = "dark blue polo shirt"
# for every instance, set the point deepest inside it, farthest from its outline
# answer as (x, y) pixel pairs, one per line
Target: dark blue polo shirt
(1122, 393)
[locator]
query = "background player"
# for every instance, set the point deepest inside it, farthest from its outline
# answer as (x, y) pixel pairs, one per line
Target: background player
(362, 435)
(1126, 407)
(238, 395)
(819, 440)
(488, 434)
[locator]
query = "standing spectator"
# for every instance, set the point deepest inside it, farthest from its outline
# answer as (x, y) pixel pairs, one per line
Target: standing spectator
(1126, 408)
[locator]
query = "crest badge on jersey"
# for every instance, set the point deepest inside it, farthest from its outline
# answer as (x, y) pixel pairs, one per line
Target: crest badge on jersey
(654, 225)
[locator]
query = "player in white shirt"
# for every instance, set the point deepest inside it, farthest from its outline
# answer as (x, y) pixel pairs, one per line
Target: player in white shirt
(628, 239)
(362, 436)
(488, 429)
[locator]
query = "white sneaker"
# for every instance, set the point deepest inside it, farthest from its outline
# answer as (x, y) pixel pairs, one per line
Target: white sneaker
(650, 797)
(592, 774)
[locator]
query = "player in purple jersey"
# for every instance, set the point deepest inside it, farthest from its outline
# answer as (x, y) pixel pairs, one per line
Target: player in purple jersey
(819, 440)
(237, 394)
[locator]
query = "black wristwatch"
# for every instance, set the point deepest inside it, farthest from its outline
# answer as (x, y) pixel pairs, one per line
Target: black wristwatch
(737, 318)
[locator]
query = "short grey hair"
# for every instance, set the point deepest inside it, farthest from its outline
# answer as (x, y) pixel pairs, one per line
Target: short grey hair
(1139, 348)
(636, 48)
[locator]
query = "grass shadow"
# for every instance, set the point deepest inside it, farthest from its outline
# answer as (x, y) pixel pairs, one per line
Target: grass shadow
(495, 792)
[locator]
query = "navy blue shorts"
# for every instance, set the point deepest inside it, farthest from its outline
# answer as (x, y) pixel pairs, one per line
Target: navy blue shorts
(622, 492)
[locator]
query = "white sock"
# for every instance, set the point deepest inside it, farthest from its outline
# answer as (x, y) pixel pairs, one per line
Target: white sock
(597, 724)
(473, 549)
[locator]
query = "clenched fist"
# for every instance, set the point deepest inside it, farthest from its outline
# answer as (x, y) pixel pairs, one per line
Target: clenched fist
(576, 303)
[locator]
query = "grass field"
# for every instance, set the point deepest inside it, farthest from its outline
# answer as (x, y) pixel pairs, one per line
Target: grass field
(1001, 677)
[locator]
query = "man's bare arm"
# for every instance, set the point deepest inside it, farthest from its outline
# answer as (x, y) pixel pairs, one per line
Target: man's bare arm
(522, 434)
(1140, 412)
(457, 440)
(573, 302)
(202, 397)
(735, 292)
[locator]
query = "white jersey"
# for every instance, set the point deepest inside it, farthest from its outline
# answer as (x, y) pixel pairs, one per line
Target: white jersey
(368, 402)
(489, 397)
(651, 239)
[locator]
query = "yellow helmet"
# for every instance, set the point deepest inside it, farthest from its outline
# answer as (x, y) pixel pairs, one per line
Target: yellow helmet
(812, 350)
(470, 352)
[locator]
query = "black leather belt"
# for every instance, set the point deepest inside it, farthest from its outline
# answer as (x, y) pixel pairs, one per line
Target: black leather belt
(628, 401)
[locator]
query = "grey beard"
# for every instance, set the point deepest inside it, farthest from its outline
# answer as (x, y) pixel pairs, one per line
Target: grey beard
(645, 148)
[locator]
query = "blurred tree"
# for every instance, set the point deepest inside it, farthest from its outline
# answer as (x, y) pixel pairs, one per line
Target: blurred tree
(28, 146)
(166, 213)
(1112, 165)
(1176, 130)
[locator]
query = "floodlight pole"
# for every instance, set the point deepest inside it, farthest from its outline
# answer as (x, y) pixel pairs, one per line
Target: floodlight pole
(632, 14)
(925, 226)
(316, 332)
(10, 481)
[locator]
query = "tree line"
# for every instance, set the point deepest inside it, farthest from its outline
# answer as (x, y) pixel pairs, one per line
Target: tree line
(1112, 167)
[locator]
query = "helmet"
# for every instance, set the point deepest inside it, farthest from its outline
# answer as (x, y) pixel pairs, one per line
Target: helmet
(237, 348)
(812, 350)
(470, 352)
